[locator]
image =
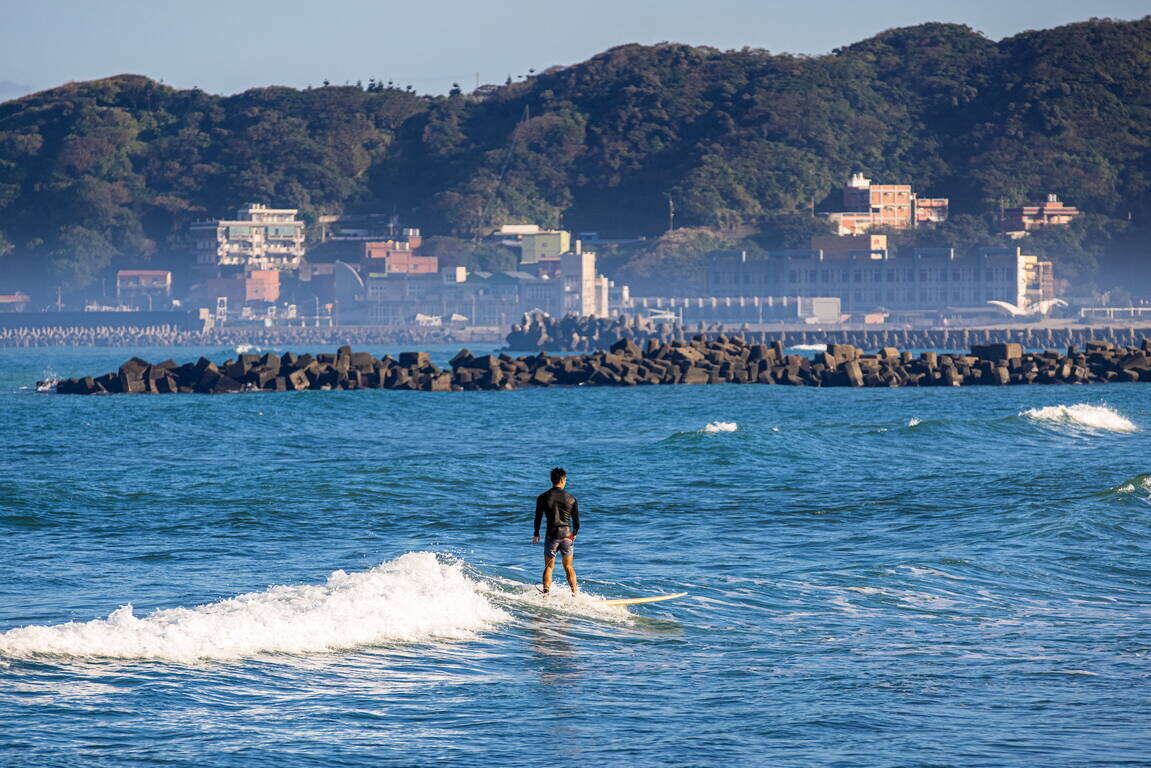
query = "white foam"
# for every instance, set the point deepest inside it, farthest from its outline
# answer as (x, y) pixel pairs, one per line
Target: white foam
(720, 426)
(1141, 483)
(415, 598)
(246, 349)
(1098, 417)
(914, 422)
(809, 347)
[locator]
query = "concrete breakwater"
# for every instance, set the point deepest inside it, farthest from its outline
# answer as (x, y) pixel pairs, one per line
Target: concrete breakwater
(700, 361)
(168, 336)
(580, 334)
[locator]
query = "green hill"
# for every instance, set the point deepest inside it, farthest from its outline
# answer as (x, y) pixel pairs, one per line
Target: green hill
(110, 172)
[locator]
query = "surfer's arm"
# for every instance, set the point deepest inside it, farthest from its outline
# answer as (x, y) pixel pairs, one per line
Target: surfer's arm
(539, 517)
(575, 518)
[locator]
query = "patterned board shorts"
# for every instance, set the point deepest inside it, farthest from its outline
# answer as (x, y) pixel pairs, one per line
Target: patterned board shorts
(565, 546)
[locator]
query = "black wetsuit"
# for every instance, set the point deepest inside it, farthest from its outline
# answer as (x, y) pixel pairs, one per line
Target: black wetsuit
(562, 512)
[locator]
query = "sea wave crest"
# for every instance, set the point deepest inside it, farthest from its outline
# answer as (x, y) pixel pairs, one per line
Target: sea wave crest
(1098, 417)
(416, 597)
(720, 426)
(1138, 487)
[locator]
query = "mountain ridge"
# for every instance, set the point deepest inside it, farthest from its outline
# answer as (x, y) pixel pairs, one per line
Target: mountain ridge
(110, 171)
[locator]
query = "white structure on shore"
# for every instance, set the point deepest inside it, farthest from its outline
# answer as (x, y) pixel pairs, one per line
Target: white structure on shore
(258, 238)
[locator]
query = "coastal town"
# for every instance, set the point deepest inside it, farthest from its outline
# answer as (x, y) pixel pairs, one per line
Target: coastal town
(610, 384)
(266, 270)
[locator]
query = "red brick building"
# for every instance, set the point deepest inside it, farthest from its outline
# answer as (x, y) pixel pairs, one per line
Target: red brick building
(400, 256)
(869, 206)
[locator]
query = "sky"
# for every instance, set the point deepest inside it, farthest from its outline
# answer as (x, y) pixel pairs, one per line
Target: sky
(227, 47)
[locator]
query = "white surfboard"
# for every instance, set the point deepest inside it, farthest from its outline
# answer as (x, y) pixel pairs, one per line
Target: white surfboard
(637, 600)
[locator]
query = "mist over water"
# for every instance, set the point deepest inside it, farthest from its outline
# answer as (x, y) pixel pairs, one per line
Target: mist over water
(876, 578)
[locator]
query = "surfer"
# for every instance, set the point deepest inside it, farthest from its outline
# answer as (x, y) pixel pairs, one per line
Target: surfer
(562, 512)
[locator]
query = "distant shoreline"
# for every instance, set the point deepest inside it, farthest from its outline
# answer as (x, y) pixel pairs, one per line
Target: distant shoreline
(164, 336)
(1031, 337)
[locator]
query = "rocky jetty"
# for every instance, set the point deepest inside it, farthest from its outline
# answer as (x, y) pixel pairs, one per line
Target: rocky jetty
(700, 361)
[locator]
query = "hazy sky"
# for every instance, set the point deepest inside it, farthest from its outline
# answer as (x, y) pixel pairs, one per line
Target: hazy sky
(225, 47)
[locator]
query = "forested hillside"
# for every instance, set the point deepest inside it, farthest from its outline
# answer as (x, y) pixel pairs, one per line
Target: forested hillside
(110, 172)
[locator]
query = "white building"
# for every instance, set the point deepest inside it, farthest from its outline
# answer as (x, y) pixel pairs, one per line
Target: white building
(583, 293)
(258, 238)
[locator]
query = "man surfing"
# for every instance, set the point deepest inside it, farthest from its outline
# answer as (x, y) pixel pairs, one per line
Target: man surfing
(562, 513)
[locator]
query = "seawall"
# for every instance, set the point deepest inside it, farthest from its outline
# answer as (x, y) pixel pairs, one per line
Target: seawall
(701, 361)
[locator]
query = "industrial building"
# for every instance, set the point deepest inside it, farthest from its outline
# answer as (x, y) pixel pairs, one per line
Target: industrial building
(753, 310)
(399, 285)
(868, 280)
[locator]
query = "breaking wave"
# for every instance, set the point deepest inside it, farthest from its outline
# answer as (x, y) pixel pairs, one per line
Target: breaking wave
(1097, 417)
(809, 347)
(414, 598)
(720, 426)
(914, 422)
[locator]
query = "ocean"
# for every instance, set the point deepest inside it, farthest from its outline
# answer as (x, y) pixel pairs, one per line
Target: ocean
(878, 577)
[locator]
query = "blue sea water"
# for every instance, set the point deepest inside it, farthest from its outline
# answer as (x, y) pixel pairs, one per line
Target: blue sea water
(894, 577)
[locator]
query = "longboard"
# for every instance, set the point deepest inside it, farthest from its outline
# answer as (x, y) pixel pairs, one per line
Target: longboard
(630, 600)
(636, 600)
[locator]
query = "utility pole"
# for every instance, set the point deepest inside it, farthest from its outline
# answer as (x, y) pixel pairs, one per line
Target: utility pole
(670, 214)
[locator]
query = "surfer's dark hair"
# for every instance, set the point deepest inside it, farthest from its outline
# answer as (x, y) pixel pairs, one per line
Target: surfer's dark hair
(558, 474)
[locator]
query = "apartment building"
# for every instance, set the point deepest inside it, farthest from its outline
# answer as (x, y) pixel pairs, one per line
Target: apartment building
(258, 238)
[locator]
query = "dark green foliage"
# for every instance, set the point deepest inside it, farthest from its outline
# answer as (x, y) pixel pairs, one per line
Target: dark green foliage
(481, 257)
(786, 231)
(674, 264)
(112, 171)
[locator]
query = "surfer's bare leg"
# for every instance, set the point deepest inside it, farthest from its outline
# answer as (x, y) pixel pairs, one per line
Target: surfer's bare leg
(549, 563)
(569, 570)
